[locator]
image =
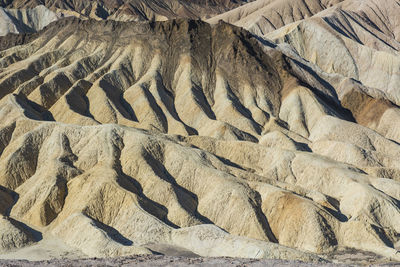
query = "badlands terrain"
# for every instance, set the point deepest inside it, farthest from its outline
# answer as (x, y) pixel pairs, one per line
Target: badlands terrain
(266, 129)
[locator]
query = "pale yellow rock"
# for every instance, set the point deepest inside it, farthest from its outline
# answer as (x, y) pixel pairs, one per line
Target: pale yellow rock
(13, 235)
(200, 137)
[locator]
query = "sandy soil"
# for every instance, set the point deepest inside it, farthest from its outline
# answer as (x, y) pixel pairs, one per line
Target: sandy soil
(45, 249)
(160, 260)
(53, 252)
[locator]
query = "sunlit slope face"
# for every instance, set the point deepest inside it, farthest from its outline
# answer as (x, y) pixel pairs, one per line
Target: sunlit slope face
(115, 135)
(264, 16)
(362, 38)
(178, 77)
(352, 38)
(26, 20)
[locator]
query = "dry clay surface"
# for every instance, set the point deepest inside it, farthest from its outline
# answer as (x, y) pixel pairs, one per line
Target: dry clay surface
(115, 136)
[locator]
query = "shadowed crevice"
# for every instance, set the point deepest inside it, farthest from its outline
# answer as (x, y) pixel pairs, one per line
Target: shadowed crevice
(112, 233)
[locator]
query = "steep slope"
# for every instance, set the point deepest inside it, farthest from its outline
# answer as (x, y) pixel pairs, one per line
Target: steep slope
(264, 16)
(353, 44)
(116, 135)
(25, 20)
(155, 77)
(356, 39)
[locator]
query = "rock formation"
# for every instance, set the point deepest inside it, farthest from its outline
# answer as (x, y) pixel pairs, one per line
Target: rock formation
(115, 136)
(264, 16)
(25, 20)
(137, 10)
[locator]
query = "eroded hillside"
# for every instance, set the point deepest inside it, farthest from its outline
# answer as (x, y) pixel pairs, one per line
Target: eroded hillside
(141, 10)
(118, 135)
